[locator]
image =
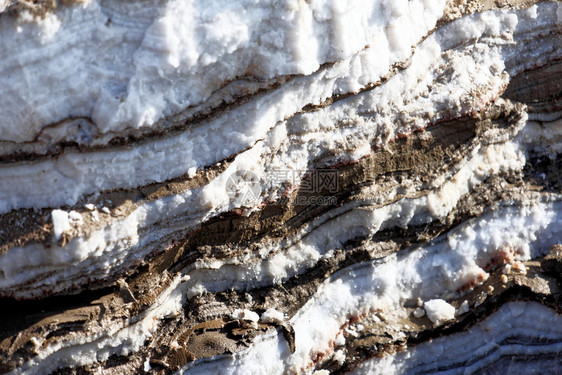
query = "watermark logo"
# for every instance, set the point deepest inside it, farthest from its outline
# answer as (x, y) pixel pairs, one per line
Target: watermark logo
(243, 187)
(316, 187)
(179, 83)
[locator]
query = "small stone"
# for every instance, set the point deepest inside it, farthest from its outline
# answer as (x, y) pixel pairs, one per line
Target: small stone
(519, 268)
(552, 262)
(146, 365)
(506, 269)
(463, 308)
(35, 342)
(481, 299)
(381, 316)
(419, 312)
(249, 297)
(351, 332)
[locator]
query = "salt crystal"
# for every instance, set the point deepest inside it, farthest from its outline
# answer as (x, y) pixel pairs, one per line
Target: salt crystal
(272, 316)
(245, 314)
(439, 311)
(191, 172)
(60, 222)
(75, 217)
(419, 312)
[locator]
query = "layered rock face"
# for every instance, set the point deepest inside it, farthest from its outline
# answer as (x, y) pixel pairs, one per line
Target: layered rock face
(277, 187)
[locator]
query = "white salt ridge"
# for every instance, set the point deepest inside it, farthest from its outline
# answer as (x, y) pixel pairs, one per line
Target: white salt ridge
(547, 141)
(408, 101)
(453, 262)
(140, 62)
(72, 175)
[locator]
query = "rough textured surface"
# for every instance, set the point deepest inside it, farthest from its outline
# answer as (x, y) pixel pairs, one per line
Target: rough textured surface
(280, 187)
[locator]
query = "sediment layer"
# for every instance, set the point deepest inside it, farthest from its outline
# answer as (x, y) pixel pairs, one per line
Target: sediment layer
(234, 202)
